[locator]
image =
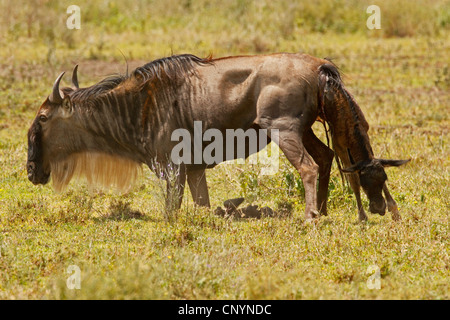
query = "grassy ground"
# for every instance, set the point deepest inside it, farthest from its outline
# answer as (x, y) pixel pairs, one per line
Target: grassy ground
(122, 243)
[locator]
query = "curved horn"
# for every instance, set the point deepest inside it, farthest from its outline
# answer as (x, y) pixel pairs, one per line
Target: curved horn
(75, 77)
(56, 96)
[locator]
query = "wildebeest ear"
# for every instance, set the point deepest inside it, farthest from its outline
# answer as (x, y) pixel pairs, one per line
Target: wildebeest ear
(66, 107)
(393, 163)
(354, 168)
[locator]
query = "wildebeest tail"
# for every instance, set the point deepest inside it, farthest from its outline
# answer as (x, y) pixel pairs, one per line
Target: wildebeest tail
(329, 78)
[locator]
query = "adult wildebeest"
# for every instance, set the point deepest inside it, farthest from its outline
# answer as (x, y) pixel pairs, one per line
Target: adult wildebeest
(107, 130)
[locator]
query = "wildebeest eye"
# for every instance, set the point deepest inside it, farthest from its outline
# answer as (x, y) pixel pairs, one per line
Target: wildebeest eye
(43, 118)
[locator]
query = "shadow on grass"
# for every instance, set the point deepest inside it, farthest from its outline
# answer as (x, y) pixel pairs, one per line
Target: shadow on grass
(121, 211)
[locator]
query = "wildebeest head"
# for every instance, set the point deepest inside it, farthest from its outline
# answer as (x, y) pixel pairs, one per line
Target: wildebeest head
(62, 145)
(372, 178)
(46, 123)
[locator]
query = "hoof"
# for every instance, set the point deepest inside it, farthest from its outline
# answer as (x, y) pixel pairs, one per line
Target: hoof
(312, 215)
(395, 215)
(363, 219)
(313, 221)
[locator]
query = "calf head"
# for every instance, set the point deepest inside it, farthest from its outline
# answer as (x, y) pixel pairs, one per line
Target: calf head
(372, 178)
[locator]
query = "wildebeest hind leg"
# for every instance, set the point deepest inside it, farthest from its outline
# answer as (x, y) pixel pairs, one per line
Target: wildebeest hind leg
(198, 186)
(323, 156)
(291, 144)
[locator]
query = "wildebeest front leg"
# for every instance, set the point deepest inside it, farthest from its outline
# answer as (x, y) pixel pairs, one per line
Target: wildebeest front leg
(291, 144)
(354, 183)
(391, 204)
(175, 188)
(198, 186)
(323, 156)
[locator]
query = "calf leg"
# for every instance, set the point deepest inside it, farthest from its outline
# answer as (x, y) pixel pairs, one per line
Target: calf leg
(354, 183)
(323, 156)
(391, 204)
(198, 186)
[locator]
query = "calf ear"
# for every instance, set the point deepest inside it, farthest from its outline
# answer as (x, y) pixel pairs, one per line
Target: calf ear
(393, 163)
(354, 168)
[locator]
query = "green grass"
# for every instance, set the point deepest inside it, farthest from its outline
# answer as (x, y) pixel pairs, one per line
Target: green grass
(125, 246)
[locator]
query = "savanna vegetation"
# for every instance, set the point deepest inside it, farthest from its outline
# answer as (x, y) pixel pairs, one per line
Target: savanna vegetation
(127, 247)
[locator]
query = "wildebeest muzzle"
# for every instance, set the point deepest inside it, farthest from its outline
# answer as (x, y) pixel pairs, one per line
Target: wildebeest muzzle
(35, 167)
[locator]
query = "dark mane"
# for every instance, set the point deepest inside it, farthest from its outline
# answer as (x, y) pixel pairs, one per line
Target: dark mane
(172, 67)
(169, 68)
(99, 88)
